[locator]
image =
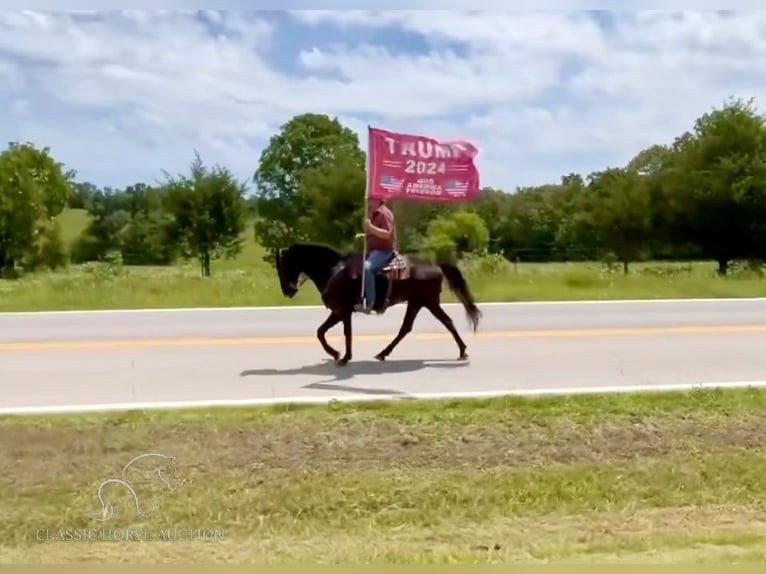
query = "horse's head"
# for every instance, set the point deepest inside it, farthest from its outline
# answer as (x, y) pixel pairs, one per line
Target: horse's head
(168, 474)
(288, 270)
(164, 468)
(315, 261)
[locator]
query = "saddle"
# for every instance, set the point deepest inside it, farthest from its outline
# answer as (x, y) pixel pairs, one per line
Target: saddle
(396, 268)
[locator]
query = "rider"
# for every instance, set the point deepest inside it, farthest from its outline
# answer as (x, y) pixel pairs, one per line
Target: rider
(381, 243)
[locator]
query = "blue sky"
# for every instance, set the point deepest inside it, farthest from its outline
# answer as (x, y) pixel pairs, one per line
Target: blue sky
(121, 96)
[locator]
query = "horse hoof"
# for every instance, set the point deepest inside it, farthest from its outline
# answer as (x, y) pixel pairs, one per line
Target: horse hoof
(380, 357)
(341, 362)
(463, 357)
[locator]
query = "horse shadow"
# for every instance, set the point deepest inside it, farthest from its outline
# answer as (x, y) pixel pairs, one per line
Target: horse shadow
(336, 374)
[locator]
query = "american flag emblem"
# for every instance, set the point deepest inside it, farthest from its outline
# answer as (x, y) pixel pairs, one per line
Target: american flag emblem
(389, 182)
(456, 186)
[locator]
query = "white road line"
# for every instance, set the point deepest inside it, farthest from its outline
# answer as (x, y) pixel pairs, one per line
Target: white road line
(363, 398)
(568, 302)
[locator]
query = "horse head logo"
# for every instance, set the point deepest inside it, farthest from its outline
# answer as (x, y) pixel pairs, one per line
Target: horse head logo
(163, 461)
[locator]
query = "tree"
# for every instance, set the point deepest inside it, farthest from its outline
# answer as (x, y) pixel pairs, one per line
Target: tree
(133, 222)
(304, 143)
(82, 195)
(333, 196)
(147, 236)
(109, 216)
(649, 168)
(536, 222)
(50, 252)
(715, 183)
(208, 213)
(452, 236)
(619, 211)
(34, 189)
(704, 195)
(492, 206)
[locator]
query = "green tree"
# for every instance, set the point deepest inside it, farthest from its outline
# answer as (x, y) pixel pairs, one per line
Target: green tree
(537, 223)
(619, 212)
(82, 195)
(34, 189)
(452, 236)
(304, 143)
(133, 222)
(109, 216)
(648, 167)
(492, 206)
(715, 183)
(333, 196)
(568, 204)
(147, 238)
(208, 213)
(412, 219)
(51, 252)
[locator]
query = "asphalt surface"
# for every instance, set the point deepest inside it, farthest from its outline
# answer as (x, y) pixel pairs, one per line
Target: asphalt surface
(99, 358)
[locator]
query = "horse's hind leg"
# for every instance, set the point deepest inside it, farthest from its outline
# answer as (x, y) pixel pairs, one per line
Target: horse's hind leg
(347, 334)
(436, 310)
(409, 320)
(329, 323)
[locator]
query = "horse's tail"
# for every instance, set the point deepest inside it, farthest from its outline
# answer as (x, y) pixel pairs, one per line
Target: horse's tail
(459, 287)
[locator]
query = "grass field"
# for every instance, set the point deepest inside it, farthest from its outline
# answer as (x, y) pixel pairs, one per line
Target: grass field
(248, 281)
(630, 478)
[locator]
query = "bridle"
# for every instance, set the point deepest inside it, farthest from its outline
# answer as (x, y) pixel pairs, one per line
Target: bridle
(300, 281)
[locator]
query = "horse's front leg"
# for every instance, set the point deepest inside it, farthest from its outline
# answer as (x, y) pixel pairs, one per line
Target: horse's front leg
(329, 323)
(347, 334)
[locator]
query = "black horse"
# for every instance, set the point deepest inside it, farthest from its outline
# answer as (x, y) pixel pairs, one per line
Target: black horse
(338, 278)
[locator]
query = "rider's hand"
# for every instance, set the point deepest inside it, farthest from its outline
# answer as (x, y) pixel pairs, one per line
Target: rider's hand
(359, 236)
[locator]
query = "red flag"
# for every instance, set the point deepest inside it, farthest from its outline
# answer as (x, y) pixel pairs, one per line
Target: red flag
(405, 166)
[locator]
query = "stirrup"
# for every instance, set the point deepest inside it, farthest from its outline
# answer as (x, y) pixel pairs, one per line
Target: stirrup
(362, 308)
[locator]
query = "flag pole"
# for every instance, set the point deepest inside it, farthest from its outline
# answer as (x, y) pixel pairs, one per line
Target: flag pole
(365, 209)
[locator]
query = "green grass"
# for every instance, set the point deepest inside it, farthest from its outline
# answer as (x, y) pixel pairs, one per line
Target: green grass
(623, 478)
(248, 281)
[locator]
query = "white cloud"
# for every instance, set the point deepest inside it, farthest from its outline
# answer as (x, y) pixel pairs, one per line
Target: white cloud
(122, 96)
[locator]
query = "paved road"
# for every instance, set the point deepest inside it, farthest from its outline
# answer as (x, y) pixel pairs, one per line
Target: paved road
(91, 358)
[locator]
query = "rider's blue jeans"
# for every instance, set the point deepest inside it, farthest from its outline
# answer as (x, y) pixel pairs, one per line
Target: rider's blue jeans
(375, 260)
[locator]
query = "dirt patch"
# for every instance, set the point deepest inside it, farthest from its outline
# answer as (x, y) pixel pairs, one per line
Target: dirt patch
(38, 455)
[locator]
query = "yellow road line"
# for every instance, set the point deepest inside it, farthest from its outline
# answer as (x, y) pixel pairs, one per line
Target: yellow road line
(298, 340)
